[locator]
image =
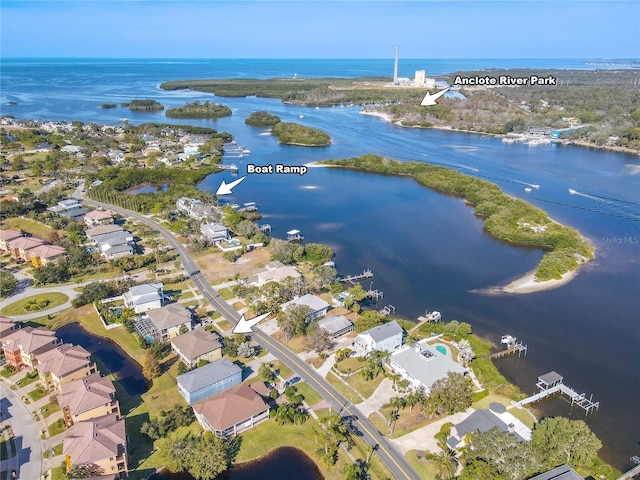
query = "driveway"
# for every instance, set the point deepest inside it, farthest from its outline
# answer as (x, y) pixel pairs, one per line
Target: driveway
(378, 398)
(29, 451)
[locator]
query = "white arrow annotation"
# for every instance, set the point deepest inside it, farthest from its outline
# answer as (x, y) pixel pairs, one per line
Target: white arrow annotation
(225, 188)
(431, 99)
(245, 326)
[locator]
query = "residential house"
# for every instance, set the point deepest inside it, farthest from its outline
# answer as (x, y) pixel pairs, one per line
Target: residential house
(7, 236)
(169, 320)
(85, 398)
(387, 337)
(143, 298)
(194, 208)
(43, 255)
(336, 326)
(563, 472)
(231, 412)
(102, 441)
(216, 232)
(64, 364)
(206, 381)
(484, 420)
(70, 208)
(94, 233)
(422, 365)
(7, 326)
(96, 218)
(318, 306)
(19, 247)
(116, 244)
(22, 346)
(196, 345)
(272, 272)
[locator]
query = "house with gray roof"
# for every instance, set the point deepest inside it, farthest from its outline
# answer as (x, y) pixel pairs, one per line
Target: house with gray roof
(168, 320)
(216, 232)
(209, 380)
(336, 326)
(318, 306)
(563, 472)
(483, 420)
(144, 297)
(387, 337)
(422, 365)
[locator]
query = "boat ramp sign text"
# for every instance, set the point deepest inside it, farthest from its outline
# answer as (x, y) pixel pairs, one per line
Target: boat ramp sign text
(277, 168)
(505, 80)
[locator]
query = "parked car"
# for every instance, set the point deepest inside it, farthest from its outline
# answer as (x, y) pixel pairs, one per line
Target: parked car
(293, 380)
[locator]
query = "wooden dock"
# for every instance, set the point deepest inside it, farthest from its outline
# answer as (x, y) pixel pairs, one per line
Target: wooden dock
(354, 278)
(631, 473)
(552, 383)
(228, 167)
(387, 310)
(375, 294)
(510, 350)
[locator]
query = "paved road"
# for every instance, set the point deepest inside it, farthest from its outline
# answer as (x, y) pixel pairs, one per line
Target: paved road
(68, 290)
(24, 427)
(396, 463)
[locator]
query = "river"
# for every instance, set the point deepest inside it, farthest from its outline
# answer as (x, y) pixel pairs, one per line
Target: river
(426, 250)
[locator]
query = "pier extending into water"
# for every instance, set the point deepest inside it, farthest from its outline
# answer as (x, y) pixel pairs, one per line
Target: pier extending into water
(354, 278)
(551, 383)
(513, 346)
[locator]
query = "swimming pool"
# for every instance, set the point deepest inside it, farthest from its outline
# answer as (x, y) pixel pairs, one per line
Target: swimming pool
(442, 349)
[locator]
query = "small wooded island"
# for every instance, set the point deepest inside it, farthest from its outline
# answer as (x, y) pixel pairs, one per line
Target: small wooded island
(145, 105)
(505, 218)
(289, 133)
(197, 109)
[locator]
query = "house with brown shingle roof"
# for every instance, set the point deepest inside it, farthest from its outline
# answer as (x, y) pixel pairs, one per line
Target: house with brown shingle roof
(19, 248)
(98, 217)
(196, 345)
(63, 364)
(232, 411)
(7, 326)
(86, 398)
(101, 441)
(43, 255)
(22, 346)
(6, 236)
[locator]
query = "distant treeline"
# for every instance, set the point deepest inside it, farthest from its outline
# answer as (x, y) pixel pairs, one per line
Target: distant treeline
(505, 218)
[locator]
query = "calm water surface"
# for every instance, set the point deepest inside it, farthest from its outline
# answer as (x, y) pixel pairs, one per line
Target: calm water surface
(427, 250)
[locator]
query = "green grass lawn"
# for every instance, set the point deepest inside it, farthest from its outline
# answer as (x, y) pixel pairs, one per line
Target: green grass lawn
(344, 388)
(284, 371)
(56, 428)
(163, 395)
(34, 228)
(224, 325)
(352, 364)
(20, 307)
(27, 379)
(524, 415)
(37, 394)
(366, 388)
(8, 371)
(407, 422)
(50, 408)
(58, 473)
(57, 450)
(310, 395)
(226, 294)
(423, 468)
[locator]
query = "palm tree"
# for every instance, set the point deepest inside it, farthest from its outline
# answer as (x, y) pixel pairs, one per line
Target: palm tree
(397, 403)
(411, 400)
(391, 416)
(445, 463)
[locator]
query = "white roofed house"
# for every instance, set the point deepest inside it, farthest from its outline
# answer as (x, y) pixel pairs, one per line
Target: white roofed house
(336, 326)
(143, 298)
(422, 365)
(69, 208)
(273, 272)
(318, 306)
(387, 337)
(216, 232)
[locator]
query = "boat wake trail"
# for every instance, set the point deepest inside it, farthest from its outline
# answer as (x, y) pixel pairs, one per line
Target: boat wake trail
(626, 212)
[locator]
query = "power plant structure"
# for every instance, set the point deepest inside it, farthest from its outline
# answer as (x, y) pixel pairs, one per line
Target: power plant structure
(395, 66)
(420, 79)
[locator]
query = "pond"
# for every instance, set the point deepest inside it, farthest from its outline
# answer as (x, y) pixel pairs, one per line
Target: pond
(281, 463)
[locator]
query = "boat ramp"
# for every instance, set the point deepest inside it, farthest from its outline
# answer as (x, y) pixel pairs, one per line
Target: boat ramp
(552, 383)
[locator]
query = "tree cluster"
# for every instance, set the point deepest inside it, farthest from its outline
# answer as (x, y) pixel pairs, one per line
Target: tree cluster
(198, 109)
(205, 457)
(288, 252)
(168, 421)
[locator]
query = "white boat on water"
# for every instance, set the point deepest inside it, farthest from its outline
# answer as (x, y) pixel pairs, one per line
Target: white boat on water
(527, 189)
(572, 191)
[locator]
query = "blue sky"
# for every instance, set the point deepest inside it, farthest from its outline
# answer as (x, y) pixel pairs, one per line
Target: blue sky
(328, 29)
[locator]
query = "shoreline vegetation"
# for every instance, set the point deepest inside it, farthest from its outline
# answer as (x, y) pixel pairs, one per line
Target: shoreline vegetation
(593, 108)
(506, 218)
(197, 109)
(289, 133)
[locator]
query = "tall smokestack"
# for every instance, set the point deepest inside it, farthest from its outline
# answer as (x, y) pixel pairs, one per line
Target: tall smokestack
(395, 66)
